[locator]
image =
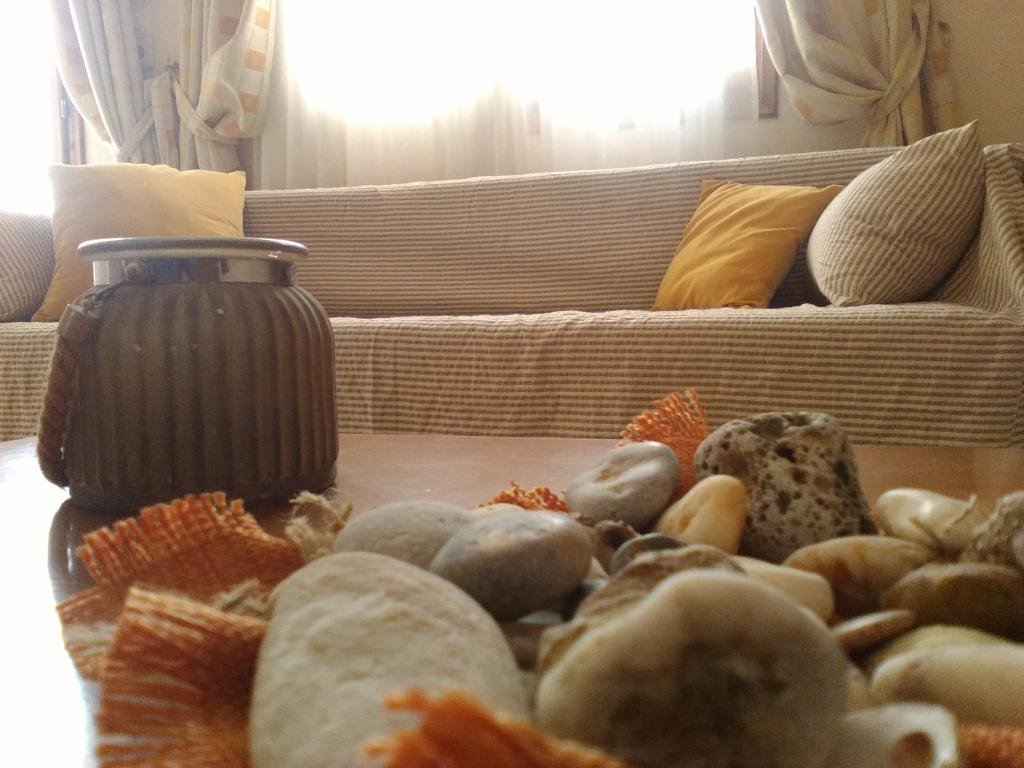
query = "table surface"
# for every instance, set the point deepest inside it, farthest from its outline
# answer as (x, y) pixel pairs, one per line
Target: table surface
(46, 709)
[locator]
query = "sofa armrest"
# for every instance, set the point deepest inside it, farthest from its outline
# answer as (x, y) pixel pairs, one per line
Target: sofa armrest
(26, 263)
(991, 275)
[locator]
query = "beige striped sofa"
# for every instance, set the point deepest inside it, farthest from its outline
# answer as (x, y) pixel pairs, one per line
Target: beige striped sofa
(519, 306)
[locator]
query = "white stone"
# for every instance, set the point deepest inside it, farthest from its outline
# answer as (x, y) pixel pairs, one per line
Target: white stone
(412, 531)
(808, 589)
(925, 517)
(351, 628)
(977, 683)
(710, 668)
(632, 483)
(897, 736)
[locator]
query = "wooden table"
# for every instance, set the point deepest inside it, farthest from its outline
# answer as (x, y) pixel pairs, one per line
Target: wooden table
(46, 709)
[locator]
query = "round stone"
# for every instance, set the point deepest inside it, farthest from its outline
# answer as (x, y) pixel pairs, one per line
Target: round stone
(979, 595)
(800, 476)
(928, 637)
(632, 483)
(649, 542)
(349, 629)
(412, 531)
(710, 668)
(866, 631)
(518, 562)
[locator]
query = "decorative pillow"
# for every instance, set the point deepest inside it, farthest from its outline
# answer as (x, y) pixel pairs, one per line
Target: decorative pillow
(26, 263)
(132, 200)
(739, 244)
(900, 227)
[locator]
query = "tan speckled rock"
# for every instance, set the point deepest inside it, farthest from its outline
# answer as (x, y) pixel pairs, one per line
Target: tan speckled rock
(979, 595)
(800, 476)
(709, 669)
(350, 628)
(860, 568)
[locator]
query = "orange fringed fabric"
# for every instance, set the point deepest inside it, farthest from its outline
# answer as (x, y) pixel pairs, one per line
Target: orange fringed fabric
(456, 732)
(177, 680)
(539, 497)
(983, 746)
(680, 422)
(198, 546)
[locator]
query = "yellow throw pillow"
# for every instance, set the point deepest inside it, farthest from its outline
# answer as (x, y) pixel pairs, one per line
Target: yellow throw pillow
(739, 244)
(131, 200)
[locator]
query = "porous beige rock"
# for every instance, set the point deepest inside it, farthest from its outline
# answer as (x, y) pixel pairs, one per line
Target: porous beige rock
(710, 668)
(980, 595)
(993, 540)
(897, 736)
(928, 637)
(712, 512)
(860, 568)
(350, 628)
(412, 531)
(872, 629)
(928, 518)
(800, 476)
(977, 683)
(632, 483)
(808, 589)
(513, 563)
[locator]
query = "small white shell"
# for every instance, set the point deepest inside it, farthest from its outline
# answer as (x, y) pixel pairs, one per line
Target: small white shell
(924, 517)
(897, 736)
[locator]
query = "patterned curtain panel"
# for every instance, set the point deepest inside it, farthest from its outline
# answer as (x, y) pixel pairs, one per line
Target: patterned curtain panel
(99, 64)
(194, 113)
(883, 60)
(223, 79)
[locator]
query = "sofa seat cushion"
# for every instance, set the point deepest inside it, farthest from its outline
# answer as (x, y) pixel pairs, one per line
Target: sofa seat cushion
(927, 373)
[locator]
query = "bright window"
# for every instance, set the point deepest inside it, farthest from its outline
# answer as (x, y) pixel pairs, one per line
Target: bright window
(588, 62)
(28, 128)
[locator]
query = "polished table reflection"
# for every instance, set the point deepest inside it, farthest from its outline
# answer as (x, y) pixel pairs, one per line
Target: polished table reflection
(47, 708)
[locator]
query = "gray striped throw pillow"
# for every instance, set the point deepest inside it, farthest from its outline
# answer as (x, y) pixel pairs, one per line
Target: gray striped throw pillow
(899, 228)
(26, 263)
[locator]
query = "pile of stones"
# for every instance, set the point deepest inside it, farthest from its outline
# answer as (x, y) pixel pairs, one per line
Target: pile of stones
(767, 617)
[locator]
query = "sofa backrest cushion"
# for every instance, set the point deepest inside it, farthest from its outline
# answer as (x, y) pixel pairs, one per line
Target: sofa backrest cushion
(898, 230)
(588, 240)
(26, 263)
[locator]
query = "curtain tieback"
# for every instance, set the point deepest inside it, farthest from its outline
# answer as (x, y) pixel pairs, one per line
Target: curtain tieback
(189, 118)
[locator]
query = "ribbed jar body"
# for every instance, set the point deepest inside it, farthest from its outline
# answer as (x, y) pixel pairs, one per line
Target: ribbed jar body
(193, 387)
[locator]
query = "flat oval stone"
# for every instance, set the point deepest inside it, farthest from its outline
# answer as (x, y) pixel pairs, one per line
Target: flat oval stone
(860, 568)
(712, 512)
(863, 632)
(808, 589)
(649, 542)
(632, 483)
(977, 683)
(928, 637)
(800, 476)
(980, 595)
(515, 563)
(413, 531)
(710, 669)
(349, 629)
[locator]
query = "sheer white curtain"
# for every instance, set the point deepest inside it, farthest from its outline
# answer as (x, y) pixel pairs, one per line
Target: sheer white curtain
(393, 91)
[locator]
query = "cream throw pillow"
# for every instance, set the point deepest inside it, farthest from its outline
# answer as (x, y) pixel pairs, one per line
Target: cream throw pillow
(899, 228)
(131, 200)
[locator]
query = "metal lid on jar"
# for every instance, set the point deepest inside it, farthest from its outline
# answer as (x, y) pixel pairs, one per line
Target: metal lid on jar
(192, 259)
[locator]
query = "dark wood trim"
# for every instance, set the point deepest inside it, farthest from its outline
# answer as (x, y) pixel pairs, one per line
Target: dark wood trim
(72, 130)
(767, 77)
